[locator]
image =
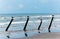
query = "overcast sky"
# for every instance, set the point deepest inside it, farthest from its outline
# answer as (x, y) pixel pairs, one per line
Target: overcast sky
(29, 6)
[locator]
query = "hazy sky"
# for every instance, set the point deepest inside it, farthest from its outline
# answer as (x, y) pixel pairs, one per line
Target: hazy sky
(29, 6)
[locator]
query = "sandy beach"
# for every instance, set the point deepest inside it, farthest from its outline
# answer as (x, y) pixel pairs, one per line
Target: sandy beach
(44, 36)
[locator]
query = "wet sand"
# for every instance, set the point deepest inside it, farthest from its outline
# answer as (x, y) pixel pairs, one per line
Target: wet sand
(44, 36)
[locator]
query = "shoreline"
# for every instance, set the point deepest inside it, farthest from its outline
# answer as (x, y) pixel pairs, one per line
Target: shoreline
(45, 36)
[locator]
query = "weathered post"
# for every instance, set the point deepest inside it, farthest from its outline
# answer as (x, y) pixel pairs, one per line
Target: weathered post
(9, 26)
(39, 26)
(50, 23)
(26, 26)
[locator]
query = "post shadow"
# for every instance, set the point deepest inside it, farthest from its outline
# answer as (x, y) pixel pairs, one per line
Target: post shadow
(50, 23)
(26, 26)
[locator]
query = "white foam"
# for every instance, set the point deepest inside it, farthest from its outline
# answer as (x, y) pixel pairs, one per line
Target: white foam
(18, 22)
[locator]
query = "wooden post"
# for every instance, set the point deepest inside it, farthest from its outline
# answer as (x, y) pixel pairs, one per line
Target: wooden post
(39, 25)
(50, 23)
(9, 26)
(26, 26)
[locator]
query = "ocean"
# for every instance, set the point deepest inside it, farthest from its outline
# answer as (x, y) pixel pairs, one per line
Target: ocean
(16, 28)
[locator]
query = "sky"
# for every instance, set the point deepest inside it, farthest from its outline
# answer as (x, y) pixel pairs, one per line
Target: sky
(29, 6)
